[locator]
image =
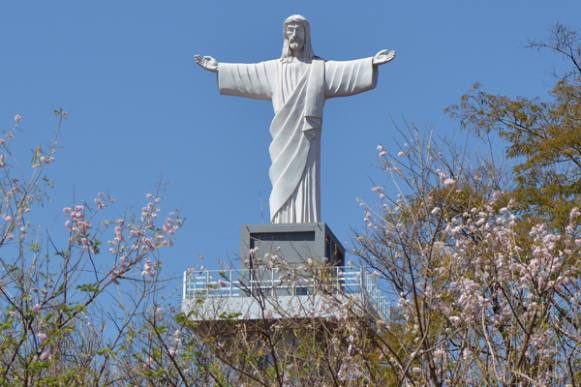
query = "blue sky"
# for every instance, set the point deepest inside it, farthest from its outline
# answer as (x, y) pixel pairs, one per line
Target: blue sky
(141, 111)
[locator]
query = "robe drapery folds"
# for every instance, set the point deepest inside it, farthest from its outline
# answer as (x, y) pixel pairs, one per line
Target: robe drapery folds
(298, 92)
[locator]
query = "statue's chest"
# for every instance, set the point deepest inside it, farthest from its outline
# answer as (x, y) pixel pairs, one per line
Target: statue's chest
(290, 75)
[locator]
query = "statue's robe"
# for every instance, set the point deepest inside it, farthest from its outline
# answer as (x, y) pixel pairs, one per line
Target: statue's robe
(298, 91)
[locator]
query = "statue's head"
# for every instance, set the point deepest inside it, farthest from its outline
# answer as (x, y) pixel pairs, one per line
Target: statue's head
(297, 38)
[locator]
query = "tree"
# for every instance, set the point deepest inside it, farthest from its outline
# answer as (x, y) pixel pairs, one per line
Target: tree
(488, 277)
(544, 136)
(58, 322)
(486, 294)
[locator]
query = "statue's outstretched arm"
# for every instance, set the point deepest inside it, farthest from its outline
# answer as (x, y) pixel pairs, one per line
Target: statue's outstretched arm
(383, 57)
(207, 62)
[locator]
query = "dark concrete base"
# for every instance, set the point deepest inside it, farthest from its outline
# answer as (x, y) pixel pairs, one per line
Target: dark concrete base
(295, 243)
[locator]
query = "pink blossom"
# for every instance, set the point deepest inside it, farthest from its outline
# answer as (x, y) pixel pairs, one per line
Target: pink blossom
(46, 159)
(378, 190)
(148, 269)
(41, 336)
(441, 174)
(455, 320)
(99, 202)
(449, 181)
(119, 234)
(135, 232)
(36, 308)
(44, 355)
(381, 150)
(17, 118)
(148, 244)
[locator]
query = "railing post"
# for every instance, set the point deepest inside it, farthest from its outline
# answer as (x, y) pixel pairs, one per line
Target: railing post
(294, 283)
(184, 284)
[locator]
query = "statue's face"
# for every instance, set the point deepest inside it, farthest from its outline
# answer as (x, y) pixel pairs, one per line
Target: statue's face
(295, 33)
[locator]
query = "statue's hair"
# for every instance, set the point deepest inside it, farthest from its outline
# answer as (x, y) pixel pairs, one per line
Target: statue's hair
(308, 53)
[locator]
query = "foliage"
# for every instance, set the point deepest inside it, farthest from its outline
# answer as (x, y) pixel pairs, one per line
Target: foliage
(53, 329)
(486, 296)
(544, 136)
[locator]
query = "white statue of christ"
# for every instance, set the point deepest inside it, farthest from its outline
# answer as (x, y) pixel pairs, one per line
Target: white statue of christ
(298, 84)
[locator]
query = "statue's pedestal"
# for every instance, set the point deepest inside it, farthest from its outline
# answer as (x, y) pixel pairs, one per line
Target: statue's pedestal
(295, 243)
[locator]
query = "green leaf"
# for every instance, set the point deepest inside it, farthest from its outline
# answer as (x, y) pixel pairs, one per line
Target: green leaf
(88, 288)
(36, 156)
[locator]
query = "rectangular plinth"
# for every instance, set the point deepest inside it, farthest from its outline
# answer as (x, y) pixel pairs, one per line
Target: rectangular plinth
(294, 243)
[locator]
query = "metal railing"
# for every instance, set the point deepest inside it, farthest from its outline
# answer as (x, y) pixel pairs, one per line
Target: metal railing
(285, 282)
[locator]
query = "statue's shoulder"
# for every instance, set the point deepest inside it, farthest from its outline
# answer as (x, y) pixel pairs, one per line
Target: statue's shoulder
(270, 64)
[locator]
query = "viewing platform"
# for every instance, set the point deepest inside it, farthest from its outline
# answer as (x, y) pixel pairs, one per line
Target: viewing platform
(275, 293)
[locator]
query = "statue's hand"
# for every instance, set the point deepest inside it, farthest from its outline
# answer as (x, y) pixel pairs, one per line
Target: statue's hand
(383, 57)
(207, 62)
